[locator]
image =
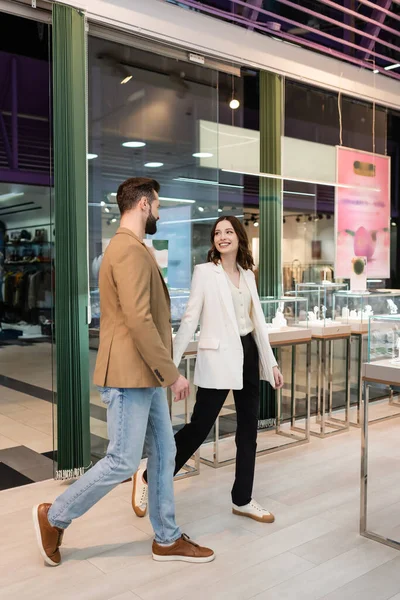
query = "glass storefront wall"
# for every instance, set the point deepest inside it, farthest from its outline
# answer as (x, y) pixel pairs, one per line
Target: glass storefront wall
(27, 236)
(152, 115)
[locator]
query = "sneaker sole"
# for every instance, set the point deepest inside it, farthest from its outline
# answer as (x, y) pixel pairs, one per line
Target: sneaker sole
(138, 512)
(258, 519)
(188, 559)
(36, 525)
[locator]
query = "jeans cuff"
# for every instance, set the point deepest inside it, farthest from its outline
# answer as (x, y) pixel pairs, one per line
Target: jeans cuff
(56, 523)
(175, 539)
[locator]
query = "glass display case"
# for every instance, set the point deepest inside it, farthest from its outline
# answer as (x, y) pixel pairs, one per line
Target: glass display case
(356, 308)
(284, 312)
(384, 340)
(321, 312)
(179, 300)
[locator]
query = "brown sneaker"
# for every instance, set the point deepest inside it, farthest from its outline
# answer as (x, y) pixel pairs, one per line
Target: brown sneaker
(49, 538)
(184, 549)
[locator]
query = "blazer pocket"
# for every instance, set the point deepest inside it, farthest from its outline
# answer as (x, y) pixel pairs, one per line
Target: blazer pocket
(208, 344)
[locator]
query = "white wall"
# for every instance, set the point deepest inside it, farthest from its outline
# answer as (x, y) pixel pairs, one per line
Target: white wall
(297, 238)
(168, 23)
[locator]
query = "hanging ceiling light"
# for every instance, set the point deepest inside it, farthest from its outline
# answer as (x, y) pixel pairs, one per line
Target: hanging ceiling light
(234, 103)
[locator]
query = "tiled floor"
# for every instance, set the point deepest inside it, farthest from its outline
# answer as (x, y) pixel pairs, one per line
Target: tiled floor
(312, 551)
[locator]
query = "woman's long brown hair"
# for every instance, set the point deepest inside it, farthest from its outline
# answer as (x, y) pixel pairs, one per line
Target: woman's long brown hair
(244, 255)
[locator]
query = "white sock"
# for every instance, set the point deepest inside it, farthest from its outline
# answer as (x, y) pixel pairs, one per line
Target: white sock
(166, 545)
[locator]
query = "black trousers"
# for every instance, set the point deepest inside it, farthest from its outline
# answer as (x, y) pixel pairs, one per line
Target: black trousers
(208, 405)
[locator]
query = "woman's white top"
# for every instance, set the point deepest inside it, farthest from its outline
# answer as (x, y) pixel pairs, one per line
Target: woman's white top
(220, 357)
(242, 304)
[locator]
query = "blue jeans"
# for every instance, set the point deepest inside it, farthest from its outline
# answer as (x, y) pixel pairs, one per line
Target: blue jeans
(135, 417)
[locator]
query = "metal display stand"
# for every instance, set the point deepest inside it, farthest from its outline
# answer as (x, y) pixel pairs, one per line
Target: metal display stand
(383, 373)
(293, 337)
(327, 421)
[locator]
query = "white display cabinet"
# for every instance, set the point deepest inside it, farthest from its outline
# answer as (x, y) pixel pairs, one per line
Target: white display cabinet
(356, 308)
(179, 300)
(380, 460)
(283, 317)
(321, 312)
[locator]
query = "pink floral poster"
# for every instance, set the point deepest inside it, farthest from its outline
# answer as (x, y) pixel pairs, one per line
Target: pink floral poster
(362, 215)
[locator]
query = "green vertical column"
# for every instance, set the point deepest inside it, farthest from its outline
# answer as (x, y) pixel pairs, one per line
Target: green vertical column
(71, 289)
(270, 269)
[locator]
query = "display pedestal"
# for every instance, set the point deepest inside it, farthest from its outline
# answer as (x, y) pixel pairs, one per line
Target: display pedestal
(381, 372)
(292, 428)
(327, 420)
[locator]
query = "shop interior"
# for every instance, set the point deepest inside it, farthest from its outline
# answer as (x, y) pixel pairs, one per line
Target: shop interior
(26, 257)
(196, 129)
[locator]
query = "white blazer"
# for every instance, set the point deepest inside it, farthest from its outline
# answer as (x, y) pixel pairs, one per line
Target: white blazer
(219, 363)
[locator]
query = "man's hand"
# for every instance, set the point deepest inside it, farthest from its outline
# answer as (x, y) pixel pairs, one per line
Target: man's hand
(180, 389)
(278, 378)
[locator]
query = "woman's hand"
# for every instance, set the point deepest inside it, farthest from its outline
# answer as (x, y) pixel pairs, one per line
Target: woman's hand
(278, 378)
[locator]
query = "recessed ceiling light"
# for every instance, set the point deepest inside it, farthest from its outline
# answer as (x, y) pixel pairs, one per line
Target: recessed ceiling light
(92, 156)
(202, 155)
(201, 209)
(134, 144)
(256, 224)
(154, 165)
(114, 220)
(102, 203)
(220, 210)
(107, 210)
(234, 104)
(128, 78)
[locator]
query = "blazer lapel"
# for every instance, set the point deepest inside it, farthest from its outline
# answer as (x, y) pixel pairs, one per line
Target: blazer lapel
(226, 295)
(160, 274)
(123, 230)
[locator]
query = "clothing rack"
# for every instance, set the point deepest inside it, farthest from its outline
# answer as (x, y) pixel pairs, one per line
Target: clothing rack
(297, 272)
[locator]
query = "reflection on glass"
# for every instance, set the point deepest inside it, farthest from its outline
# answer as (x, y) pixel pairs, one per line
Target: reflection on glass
(163, 122)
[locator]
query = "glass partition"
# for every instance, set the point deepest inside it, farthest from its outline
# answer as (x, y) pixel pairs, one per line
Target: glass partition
(154, 116)
(27, 368)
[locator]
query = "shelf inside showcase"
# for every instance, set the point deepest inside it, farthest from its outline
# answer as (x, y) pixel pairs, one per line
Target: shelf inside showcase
(356, 308)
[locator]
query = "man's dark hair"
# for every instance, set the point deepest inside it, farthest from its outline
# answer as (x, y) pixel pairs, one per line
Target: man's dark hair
(133, 189)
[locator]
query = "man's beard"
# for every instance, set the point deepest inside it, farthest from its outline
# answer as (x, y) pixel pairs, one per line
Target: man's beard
(151, 225)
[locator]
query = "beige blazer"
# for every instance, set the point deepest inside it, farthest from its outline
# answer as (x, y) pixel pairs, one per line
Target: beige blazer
(135, 348)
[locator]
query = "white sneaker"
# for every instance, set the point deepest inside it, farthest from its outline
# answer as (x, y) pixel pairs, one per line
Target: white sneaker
(253, 511)
(140, 494)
